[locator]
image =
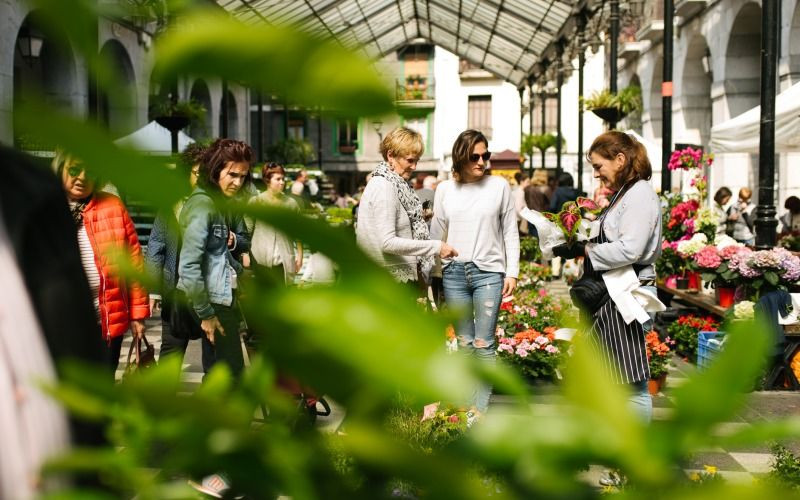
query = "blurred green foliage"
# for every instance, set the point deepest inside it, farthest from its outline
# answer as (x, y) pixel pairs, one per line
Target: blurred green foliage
(361, 341)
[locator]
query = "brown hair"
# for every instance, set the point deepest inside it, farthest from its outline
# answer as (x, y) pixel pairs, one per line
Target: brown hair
(219, 154)
(269, 169)
(402, 141)
(637, 165)
(462, 149)
(721, 194)
(745, 193)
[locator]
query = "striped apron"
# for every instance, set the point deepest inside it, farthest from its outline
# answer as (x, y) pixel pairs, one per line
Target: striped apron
(622, 345)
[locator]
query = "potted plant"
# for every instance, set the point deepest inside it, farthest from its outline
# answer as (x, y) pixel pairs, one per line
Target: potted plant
(658, 354)
(175, 116)
(685, 332)
(613, 108)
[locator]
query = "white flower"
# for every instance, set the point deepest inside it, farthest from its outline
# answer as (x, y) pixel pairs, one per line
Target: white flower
(723, 241)
(692, 246)
(743, 310)
(704, 217)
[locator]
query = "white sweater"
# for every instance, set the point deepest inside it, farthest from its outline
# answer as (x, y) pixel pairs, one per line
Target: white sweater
(480, 223)
(384, 231)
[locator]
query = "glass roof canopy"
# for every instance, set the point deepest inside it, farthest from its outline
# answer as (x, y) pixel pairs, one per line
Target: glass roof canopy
(505, 37)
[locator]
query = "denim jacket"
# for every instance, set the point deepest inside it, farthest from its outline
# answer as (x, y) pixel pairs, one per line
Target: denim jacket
(207, 266)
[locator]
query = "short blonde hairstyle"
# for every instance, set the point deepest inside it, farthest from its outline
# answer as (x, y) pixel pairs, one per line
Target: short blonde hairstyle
(745, 193)
(62, 160)
(402, 141)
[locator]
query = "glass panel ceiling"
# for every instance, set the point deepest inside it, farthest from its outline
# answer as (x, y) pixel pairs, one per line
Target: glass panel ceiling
(506, 37)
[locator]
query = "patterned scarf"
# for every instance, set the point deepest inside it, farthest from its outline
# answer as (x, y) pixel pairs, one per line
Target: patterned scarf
(76, 208)
(413, 207)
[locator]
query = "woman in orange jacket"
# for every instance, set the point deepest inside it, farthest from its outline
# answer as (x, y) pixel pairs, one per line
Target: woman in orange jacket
(105, 231)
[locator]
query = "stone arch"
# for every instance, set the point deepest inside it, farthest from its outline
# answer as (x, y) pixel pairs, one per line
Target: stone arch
(201, 94)
(117, 110)
(634, 120)
(743, 61)
(695, 98)
(43, 69)
(233, 116)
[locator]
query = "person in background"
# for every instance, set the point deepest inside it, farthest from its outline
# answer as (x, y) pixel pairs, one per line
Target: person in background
(391, 228)
(161, 259)
(535, 195)
(518, 193)
(474, 213)
(790, 221)
(300, 189)
(720, 210)
(550, 188)
(564, 192)
(271, 249)
(47, 318)
(425, 192)
(212, 240)
(741, 213)
(105, 232)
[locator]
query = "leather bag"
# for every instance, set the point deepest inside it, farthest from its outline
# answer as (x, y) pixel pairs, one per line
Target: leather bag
(589, 294)
(143, 357)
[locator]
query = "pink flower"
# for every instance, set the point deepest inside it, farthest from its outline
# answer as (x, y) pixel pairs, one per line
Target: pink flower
(522, 353)
(505, 348)
(708, 258)
(542, 340)
(551, 349)
(542, 292)
(453, 419)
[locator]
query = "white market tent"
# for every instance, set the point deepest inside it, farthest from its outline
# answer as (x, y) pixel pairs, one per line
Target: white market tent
(653, 150)
(153, 139)
(741, 134)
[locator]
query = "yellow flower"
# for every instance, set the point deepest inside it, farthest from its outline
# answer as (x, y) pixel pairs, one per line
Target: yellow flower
(710, 469)
(694, 476)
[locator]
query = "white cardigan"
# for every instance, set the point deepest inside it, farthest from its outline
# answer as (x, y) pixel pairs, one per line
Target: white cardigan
(384, 231)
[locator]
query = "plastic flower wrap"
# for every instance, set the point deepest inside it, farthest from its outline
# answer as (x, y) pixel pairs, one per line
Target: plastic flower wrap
(566, 226)
(744, 310)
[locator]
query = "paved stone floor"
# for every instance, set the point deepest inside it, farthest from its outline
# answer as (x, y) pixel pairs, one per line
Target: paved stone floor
(739, 464)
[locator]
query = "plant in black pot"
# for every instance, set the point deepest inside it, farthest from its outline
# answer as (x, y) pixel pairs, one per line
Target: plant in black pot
(613, 108)
(175, 116)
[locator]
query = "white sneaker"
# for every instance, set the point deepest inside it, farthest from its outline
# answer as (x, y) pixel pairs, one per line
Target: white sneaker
(214, 485)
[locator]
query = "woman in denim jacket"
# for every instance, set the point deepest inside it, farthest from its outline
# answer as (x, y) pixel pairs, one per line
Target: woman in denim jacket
(212, 241)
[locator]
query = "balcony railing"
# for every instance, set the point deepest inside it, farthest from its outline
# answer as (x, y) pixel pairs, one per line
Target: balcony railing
(415, 91)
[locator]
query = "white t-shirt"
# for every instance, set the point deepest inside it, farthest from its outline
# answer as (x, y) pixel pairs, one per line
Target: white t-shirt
(480, 223)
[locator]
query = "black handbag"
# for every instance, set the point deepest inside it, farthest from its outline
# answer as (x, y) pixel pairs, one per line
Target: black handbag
(589, 294)
(183, 321)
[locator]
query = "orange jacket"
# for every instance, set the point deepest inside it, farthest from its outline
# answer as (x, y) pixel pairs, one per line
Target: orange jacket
(111, 230)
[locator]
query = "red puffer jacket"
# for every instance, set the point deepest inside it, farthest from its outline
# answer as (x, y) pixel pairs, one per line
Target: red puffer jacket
(111, 230)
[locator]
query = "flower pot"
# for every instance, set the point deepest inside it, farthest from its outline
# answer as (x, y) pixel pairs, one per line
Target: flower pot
(654, 385)
(695, 281)
(172, 123)
(682, 283)
(671, 282)
(611, 115)
(725, 296)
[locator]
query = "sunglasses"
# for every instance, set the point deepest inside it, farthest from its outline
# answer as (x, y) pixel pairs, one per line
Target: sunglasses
(475, 157)
(75, 170)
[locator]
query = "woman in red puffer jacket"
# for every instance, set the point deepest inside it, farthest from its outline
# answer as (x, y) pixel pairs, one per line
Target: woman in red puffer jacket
(105, 230)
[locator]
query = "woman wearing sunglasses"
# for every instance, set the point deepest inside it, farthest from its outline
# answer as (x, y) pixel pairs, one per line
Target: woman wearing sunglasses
(104, 230)
(476, 213)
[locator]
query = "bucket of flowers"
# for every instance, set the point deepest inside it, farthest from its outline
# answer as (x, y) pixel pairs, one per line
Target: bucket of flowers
(536, 354)
(658, 354)
(765, 270)
(685, 332)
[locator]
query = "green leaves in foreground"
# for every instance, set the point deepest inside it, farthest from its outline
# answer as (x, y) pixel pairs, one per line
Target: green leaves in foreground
(304, 69)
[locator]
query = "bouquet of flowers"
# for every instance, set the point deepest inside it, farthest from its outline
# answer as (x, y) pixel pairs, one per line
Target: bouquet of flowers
(764, 270)
(538, 355)
(689, 159)
(679, 219)
(684, 332)
(658, 354)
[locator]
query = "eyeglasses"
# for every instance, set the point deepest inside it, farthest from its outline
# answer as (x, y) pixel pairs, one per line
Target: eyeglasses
(475, 157)
(74, 171)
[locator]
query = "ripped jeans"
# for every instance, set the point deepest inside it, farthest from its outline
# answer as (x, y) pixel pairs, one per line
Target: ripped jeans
(478, 294)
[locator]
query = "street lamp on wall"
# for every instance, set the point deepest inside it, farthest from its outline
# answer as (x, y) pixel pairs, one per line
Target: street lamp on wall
(29, 44)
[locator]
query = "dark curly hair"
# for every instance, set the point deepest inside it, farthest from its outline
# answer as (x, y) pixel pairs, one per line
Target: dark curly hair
(219, 154)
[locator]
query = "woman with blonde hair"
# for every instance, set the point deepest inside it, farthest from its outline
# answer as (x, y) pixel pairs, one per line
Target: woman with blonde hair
(391, 228)
(105, 231)
(475, 212)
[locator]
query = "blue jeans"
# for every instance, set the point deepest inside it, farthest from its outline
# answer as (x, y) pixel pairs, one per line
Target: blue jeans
(640, 401)
(478, 294)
